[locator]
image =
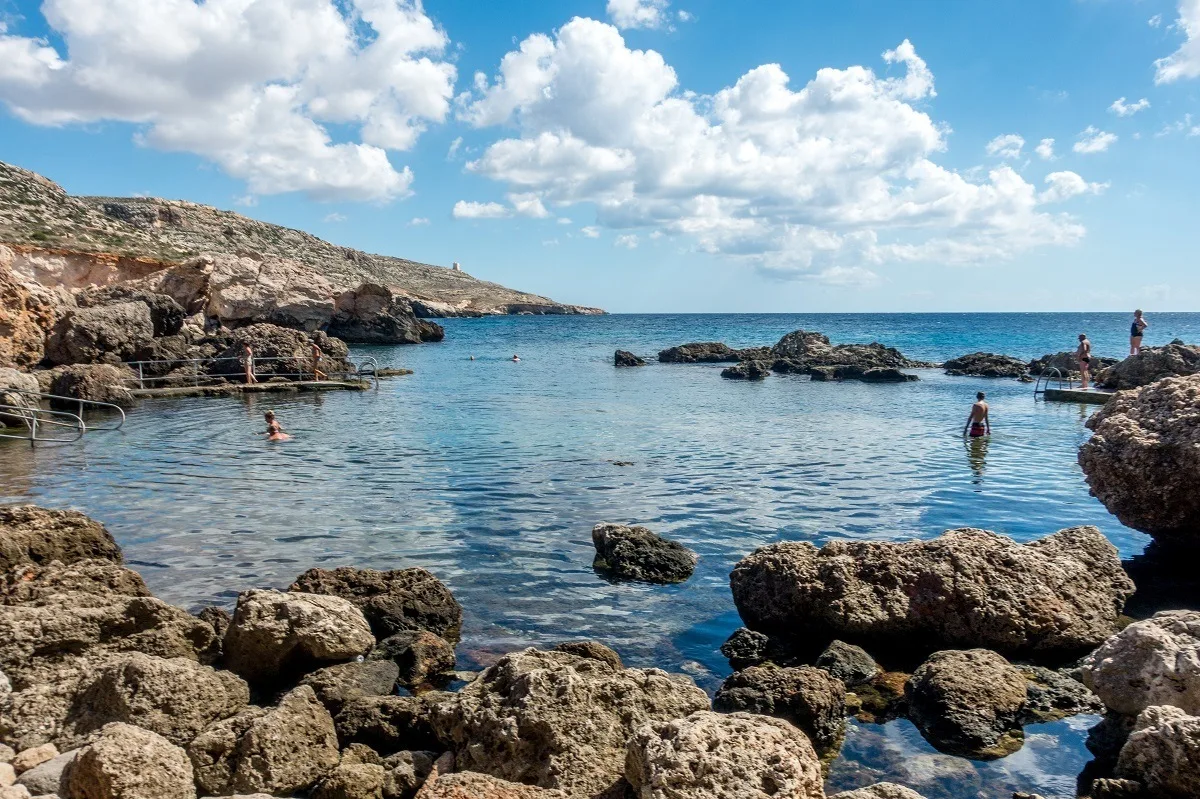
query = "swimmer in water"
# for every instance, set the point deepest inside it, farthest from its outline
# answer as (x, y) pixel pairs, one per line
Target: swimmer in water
(274, 430)
(515, 358)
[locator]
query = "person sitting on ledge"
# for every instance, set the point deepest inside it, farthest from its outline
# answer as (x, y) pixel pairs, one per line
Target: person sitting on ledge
(978, 423)
(274, 430)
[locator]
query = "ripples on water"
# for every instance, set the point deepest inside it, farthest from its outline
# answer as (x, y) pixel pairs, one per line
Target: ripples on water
(491, 474)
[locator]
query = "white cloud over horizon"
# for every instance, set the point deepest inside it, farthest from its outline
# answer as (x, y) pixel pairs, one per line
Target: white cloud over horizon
(1184, 62)
(252, 87)
(836, 174)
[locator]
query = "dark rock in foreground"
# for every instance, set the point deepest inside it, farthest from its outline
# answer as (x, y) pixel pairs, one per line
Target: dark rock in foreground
(1150, 365)
(745, 647)
(418, 655)
(96, 382)
(626, 358)
(849, 663)
(107, 334)
(747, 370)
(967, 587)
(807, 697)
(1143, 459)
(986, 364)
(636, 553)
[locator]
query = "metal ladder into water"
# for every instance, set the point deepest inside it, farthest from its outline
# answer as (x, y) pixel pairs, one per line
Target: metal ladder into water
(41, 424)
(1052, 373)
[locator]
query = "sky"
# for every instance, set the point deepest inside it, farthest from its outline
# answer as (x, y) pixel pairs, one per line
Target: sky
(655, 155)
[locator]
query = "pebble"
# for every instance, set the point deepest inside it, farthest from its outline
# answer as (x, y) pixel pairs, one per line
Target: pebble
(33, 757)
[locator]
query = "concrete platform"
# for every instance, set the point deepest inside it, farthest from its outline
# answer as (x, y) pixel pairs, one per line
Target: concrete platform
(1094, 396)
(229, 389)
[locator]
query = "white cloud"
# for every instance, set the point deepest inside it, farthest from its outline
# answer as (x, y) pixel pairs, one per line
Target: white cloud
(1184, 62)
(246, 200)
(473, 210)
(250, 86)
(418, 221)
(639, 13)
(627, 240)
(685, 16)
(1123, 109)
(1045, 149)
(562, 220)
(838, 172)
(1006, 146)
(591, 232)
(1155, 21)
(848, 276)
(528, 204)
(1094, 140)
(453, 151)
(1065, 185)
(334, 217)
(1184, 126)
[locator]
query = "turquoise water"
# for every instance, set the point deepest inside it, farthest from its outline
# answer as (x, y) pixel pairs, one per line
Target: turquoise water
(491, 474)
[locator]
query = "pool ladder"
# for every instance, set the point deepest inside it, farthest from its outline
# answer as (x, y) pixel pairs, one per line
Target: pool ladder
(40, 424)
(1049, 374)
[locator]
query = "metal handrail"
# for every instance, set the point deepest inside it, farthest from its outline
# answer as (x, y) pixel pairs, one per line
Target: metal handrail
(32, 422)
(368, 367)
(1047, 376)
(81, 402)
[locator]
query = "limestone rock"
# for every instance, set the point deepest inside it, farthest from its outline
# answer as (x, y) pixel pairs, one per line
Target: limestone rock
(986, 364)
(46, 778)
(1052, 695)
(33, 757)
(12, 384)
(29, 534)
(968, 703)
(127, 762)
(176, 698)
(417, 654)
(699, 352)
(406, 772)
(245, 289)
(278, 750)
(7, 753)
(967, 587)
(99, 382)
(1143, 459)
(278, 351)
(886, 375)
(345, 682)
(354, 781)
(8, 775)
(35, 583)
(712, 756)
(593, 650)
(636, 553)
(808, 697)
(747, 370)
(1163, 753)
(626, 358)
(1151, 662)
(5, 686)
(1067, 364)
(274, 634)
(880, 790)
(469, 785)
(26, 313)
(574, 716)
(1150, 365)
(387, 724)
(406, 599)
(745, 647)
(849, 663)
(166, 315)
(814, 349)
(108, 334)
(375, 314)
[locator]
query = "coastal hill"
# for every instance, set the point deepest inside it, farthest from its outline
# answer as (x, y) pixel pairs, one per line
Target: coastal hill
(36, 213)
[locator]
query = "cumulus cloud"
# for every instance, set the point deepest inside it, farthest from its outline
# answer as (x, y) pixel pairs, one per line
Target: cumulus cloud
(590, 232)
(1065, 185)
(1094, 140)
(627, 240)
(1045, 149)
(639, 13)
(1007, 146)
(250, 86)
(1185, 126)
(473, 210)
(1124, 109)
(1155, 21)
(1184, 62)
(418, 221)
(835, 173)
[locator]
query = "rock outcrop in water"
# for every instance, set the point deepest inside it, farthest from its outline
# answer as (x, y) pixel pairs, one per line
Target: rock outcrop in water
(1067, 364)
(747, 370)
(636, 553)
(809, 698)
(1143, 459)
(968, 587)
(986, 364)
(700, 352)
(1150, 365)
(626, 358)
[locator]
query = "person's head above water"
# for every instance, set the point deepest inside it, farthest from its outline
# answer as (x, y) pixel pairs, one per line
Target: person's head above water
(980, 395)
(269, 415)
(515, 358)
(1082, 336)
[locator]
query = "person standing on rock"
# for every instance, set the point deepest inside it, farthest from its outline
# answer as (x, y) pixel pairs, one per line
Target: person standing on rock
(248, 362)
(316, 361)
(1084, 354)
(1135, 332)
(978, 424)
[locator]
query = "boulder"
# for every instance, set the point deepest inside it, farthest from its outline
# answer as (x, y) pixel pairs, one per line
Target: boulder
(279, 750)
(374, 314)
(574, 716)
(807, 697)
(1067, 363)
(278, 351)
(967, 587)
(32, 583)
(29, 534)
(392, 601)
(1163, 753)
(127, 762)
(46, 778)
(352, 781)
(33, 757)
(248, 289)
(108, 334)
(745, 647)
(713, 756)
(986, 364)
(849, 663)
(880, 790)
(406, 772)
(699, 352)
(166, 315)
(1151, 662)
(636, 553)
(26, 314)
(748, 370)
(469, 785)
(169, 354)
(968, 703)
(625, 358)
(337, 685)
(417, 655)
(388, 724)
(814, 349)
(886, 375)
(1051, 695)
(591, 649)
(95, 382)
(12, 383)
(176, 698)
(1143, 459)
(275, 635)
(1150, 365)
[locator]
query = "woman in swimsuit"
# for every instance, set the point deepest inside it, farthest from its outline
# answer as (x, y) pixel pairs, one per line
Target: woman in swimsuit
(248, 362)
(1135, 332)
(274, 429)
(1084, 354)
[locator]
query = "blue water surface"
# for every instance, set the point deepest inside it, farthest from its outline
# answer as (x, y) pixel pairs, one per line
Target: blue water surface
(491, 473)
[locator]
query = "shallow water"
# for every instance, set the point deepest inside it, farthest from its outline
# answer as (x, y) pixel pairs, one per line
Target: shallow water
(491, 474)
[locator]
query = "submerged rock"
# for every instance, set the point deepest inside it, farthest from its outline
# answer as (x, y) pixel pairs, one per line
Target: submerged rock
(127, 762)
(636, 553)
(1163, 754)
(967, 587)
(392, 601)
(699, 352)
(968, 703)
(748, 370)
(712, 756)
(880, 790)
(29, 534)
(986, 364)
(1151, 662)
(574, 714)
(808, 697)
(1143, 459)
(1150, 365)
(626, 358)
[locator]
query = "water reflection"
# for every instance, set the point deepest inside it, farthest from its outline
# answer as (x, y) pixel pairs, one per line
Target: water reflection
(977, 456)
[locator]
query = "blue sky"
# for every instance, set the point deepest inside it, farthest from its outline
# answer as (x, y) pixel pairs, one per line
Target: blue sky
(645, 155)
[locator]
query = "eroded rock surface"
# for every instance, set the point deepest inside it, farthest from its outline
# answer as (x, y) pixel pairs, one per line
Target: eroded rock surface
(849, 663)
(345, 682)
(986, 364)
(418, 655)
(404, 599)
(29, 534)
(470, 785)
(626, 358)
(389, 724)
(748, 370)
(1163, 754)
(106, 334)
(1150, 365)
(1151, 662)
(375, 314)
(637, 553)
(99, 382)
(808, 697)
(127, 762)
(699, 352)
(880, 790)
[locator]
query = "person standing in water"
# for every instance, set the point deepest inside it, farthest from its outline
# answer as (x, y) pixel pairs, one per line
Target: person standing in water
(248, 362)
(1135, 332)
(1084, 354)
(978, 424)
(274, 430)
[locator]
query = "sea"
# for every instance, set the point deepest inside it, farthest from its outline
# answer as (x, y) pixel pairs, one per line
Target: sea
(491, 474)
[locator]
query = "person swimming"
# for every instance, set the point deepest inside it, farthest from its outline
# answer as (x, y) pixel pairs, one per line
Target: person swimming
(979, 424)
(515, 358)
(274, 431)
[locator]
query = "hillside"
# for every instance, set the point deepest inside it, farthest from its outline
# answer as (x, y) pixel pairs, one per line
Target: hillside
(36, 212)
